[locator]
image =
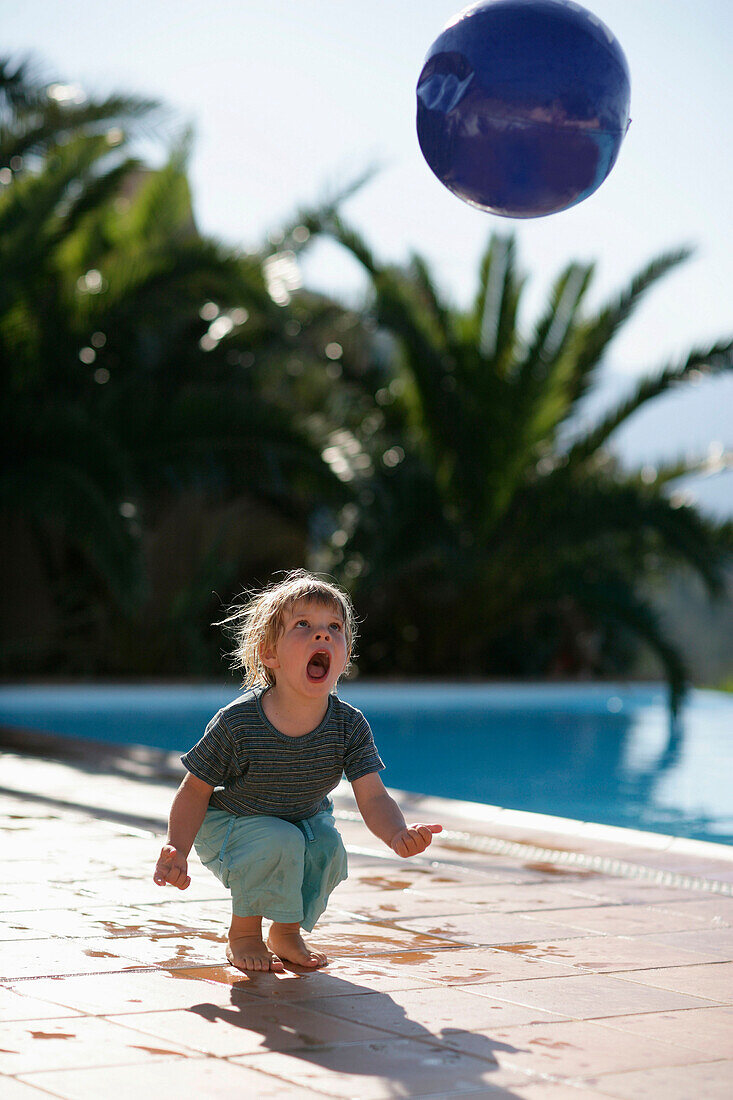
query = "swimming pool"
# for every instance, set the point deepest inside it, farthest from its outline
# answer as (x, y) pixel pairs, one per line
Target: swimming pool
(594, 752)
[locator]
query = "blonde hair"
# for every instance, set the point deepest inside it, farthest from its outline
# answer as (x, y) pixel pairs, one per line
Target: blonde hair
(256, 622)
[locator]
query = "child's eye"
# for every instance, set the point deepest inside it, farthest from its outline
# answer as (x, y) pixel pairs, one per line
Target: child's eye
(336, 626)
(302, 622)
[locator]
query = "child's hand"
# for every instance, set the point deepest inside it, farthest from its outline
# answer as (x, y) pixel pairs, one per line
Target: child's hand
(414, 839)
(171, 868)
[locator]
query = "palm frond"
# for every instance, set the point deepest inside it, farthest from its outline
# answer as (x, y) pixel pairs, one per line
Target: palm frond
(717, 461)
(28, 207)
(556, 326)
(594, 336)
(22, 87)
(323, 218)
(495, 309)
(439, 314)
(711, 360)
(611, 601)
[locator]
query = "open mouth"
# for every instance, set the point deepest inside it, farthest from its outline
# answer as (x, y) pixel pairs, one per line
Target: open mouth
(318, 666)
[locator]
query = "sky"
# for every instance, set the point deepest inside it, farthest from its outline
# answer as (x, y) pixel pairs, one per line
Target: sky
(290, 100)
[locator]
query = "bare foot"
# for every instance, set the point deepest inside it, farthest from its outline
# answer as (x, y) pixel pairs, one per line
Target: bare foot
(286, 942)
(250, 953)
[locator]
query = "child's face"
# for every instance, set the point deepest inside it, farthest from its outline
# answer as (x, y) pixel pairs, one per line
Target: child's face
(311, 652)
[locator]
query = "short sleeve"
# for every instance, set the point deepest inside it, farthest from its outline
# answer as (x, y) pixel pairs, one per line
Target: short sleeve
(361, 756)
(212, 759)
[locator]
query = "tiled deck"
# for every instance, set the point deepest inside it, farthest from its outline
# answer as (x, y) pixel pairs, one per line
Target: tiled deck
(500, 964)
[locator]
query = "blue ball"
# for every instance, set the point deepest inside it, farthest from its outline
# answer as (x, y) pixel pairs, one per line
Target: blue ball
(522, 105)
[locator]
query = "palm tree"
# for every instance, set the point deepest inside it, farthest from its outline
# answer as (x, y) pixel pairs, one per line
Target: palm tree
(491, 545)
(125, 344)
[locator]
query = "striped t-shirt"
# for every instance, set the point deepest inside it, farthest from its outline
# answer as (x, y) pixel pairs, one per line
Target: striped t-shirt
(256, 769)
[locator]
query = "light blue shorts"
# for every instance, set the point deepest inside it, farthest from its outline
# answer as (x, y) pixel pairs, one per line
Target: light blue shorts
(274, 868)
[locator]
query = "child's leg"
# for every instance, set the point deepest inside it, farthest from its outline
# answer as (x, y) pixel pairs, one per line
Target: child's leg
(260, 859)
(246, 949)
(325, 865)
(324, 868)
(274, 869)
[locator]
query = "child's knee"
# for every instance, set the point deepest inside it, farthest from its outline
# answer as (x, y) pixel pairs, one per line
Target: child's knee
(328, 847)
(267, 845)
(326, 834)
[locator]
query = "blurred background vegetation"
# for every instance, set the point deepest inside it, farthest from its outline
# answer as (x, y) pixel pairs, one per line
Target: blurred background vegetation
(181, 420)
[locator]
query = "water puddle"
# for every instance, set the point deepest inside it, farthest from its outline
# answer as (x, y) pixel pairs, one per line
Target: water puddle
(408, 958)
(152, 931)
(549, 951)
(515, 948)
(558, 869)
(159, 1050)
(468, 979)
(219, 974)
(52, 1035)
(384, 883)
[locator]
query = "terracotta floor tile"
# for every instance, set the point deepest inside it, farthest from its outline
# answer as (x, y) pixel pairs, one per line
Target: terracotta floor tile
(590, 996)
(396, 1067)
(397, 877)
(578, 1048)
(514, 897)
(373, 939)
(342, 977)
(11, 1089)
(712, 980)
(139, 891)
(426, 1013)
(246, 1025)
(55, 956)
(714, 909)
(544, 1090)
(35, 896)
(23, 872)
(620, 891)
(211, 1078)
(612, 953)
(622, 920)
(702, 1081)
(213, 914)
(408, 905)
(114, 921)
(389, 878)
(14, 1005)
(476, 965)
(128, 992)
(716, 941)
(164, 951)
(11, 930)
(708, 1030)
(403, 1008)
(76, 1043)
(488, 929)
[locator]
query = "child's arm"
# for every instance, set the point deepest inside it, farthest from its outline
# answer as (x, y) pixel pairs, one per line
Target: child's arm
(384, 818)
(187, 812)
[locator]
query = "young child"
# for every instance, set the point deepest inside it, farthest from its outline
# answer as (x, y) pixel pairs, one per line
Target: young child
(255, 800)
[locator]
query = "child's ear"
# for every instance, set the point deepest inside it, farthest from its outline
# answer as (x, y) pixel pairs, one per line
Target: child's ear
(268, 656)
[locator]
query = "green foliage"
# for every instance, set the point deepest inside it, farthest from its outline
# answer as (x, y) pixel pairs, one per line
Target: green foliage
(490, 547)
(117, 398)
(180, 420)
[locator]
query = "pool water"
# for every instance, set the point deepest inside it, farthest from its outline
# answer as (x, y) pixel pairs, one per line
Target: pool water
(594, 752)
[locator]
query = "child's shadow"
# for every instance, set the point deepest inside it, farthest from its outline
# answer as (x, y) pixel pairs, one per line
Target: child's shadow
(285, 1025)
